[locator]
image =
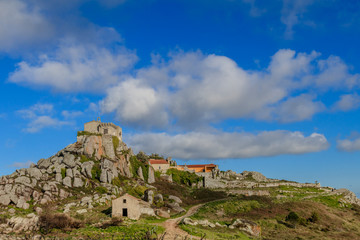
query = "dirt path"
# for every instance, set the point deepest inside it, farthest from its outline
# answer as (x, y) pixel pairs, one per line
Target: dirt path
(173, 232)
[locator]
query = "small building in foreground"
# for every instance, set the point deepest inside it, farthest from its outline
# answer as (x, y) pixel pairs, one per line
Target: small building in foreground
(197, 168)
(128, 206)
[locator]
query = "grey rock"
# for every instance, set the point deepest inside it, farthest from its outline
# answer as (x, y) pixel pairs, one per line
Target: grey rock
(78, 182)
(166, 177)
(23, 180)
(147, 211)
(140, 173)
(175, 207)
(149, 196)
(81, 211)
(63, 194)
(175, 199)
(14, 199)
(158, 198)
(69, 160)
(103, 176)
(67, 181)
(162, 213)
(22, 203)
(5, 200)
(44, 163)
(58, 177)
(247, 226)
(8, 188)
(11, 211)
(151, 178)
(86, 168)
(32, 165)
(189, 221)
(76, 173)
(108, 145)
(38, 210)
(69, 173)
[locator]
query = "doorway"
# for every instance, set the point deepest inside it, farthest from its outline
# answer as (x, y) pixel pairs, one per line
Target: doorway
(124, 212)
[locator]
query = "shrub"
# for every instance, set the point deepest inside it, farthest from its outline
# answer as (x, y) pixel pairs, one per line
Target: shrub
(63, 173)
(114, 222)
(314, 217)
(116, 181)
(142, 157)
(135, 164)
(183, 177)
(116, 142)
(61, 221)
(292, 217)
(101, 190)
(96, 171)
(83, 159)
(157, 174)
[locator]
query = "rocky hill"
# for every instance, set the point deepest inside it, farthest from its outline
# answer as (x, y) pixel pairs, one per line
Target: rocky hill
(73, 190)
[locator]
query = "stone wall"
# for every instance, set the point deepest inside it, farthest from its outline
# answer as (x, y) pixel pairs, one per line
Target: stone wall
(103, 128)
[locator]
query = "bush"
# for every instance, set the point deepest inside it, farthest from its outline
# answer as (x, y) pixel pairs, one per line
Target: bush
(96, 171)
(83, 159)
(63, 173)
(61, 221)
(101, 190)
(135, 164)
(114, 222)
(314, 217)
(116, 142)
(183, 177)
(292, 217)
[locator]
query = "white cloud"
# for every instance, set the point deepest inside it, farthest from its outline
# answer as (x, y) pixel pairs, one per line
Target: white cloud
(136, 103)
(292, 13)
(349, 145)
(200, 145)
(21, 164)
(40, 122)
(22, 25)
(40, 116)
(75, 68)
(36, 109)
(194, 90)
(254, 10)
(298, 108)
(71, 114)
(347, 102)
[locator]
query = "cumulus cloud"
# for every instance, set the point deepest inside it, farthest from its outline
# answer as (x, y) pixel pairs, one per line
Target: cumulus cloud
(71, 114)
(194, 89)
(351, 144)
(347, 102)
(136, 103)
(40, 116)
(200, 145)
(22, 25)
(75, 68)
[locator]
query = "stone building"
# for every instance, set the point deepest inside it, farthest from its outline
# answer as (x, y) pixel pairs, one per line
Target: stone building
(103, 128)
(160, 164)
(197, 168)
(130, 207)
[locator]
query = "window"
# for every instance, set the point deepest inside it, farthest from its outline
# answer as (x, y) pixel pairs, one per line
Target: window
(125, 212)
(159, 167)
(106, 131)
(124, 201)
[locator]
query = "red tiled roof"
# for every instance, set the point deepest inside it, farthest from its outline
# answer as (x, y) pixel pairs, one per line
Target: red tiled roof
(199, 165)
(158, 161)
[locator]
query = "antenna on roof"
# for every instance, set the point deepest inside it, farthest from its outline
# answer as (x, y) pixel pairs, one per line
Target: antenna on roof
(98, 119)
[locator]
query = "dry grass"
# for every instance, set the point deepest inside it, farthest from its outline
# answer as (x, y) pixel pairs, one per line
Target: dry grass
(49, 221)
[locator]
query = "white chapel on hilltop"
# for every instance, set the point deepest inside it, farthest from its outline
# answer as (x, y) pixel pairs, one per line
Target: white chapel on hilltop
(103, 128)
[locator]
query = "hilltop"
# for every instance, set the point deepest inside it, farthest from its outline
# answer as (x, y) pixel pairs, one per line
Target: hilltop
(71, 194)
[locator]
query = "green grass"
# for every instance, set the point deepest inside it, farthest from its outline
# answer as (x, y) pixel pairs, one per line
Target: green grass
(331, 201)
(116, 142)
(96, 171)
(85, 133)
(215, 233)
(63, 172)
(126, 232)
(225, 209)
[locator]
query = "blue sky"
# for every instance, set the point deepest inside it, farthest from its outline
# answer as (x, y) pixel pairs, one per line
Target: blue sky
(247, 84)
